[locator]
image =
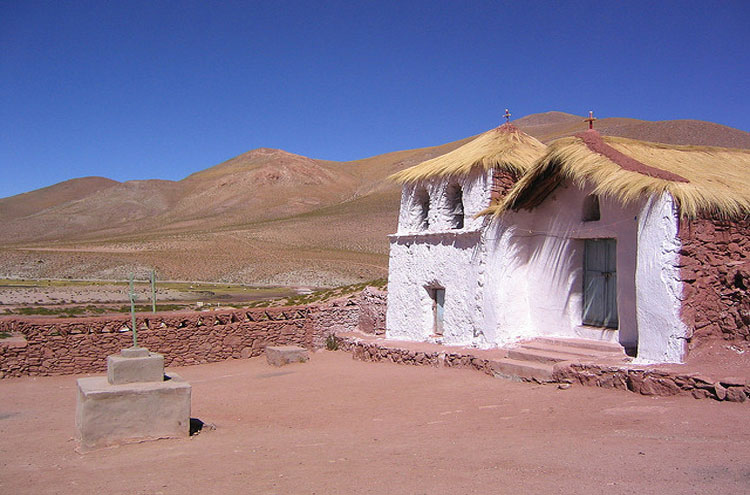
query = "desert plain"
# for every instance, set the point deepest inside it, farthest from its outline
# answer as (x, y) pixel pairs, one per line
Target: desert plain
(335, 425)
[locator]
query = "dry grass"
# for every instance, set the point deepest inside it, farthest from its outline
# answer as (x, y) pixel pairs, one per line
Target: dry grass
(505, 147)
(718, 178)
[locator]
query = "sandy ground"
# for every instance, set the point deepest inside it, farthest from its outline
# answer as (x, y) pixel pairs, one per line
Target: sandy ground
(334, 425)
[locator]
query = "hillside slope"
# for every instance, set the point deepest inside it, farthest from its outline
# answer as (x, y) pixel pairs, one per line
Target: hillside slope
(264, 217)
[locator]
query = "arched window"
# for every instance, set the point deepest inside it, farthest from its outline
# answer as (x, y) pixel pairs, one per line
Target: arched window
(421, 209)
(455, 202)
(591, 211)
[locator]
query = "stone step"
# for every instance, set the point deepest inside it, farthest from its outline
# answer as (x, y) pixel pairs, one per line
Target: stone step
(577, 352)
(541, 356)
(522, 370)
(595, 345)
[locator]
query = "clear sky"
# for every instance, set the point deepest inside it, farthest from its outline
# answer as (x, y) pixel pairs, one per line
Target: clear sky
(133, 89)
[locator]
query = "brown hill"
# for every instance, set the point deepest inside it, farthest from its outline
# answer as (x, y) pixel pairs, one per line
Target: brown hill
(38, 200)
(264, 217)
(552, 125)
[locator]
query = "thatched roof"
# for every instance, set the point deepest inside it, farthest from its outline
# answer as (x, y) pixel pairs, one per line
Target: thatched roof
(703, 180)
(505, 147)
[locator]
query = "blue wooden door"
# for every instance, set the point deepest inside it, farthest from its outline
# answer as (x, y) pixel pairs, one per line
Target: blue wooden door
(600, 283)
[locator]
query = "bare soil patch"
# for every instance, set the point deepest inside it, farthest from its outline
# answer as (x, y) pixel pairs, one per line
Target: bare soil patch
(334, 425)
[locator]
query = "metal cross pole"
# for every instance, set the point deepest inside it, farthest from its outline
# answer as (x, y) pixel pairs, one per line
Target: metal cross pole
(153, 291)
(591, 119)
(507, 116)
(131, 295)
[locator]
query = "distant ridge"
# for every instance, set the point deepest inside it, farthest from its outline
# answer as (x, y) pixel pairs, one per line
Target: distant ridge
(266, 216)
(549, 126)
(37, 200)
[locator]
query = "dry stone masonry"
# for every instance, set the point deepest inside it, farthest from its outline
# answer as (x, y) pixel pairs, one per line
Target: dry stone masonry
(715, 270)
(45, 346)
(502, 182)
(372, 311)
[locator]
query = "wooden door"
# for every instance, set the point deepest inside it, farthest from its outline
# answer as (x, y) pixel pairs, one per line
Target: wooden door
(600, 283)
(438, 307)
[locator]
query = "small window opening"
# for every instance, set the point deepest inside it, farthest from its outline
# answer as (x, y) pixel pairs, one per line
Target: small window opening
(455, 206)
(422, 207)
(591, 211)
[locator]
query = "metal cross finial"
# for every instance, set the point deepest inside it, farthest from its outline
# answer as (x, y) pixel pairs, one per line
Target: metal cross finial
(153, 291)
(591, 119)
(131, 296)
(507, 116)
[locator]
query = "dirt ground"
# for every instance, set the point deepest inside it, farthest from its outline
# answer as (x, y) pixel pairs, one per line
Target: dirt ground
(334, 425)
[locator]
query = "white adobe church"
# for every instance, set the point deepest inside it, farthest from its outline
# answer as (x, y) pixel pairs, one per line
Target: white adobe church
(505, 239)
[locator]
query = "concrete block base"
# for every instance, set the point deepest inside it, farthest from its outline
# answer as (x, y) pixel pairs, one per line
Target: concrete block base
(115, 414)
(135, 364)
(281, 355)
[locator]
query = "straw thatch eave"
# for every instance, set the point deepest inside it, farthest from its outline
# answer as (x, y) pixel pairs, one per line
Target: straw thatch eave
(705, 181)
(505, 147)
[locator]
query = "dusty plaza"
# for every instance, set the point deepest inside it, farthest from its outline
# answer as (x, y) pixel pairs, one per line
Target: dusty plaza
(337, 425)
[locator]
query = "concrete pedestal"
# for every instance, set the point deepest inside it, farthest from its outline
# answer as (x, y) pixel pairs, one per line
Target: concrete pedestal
(134, 402)
(115, 414)
(140, 367)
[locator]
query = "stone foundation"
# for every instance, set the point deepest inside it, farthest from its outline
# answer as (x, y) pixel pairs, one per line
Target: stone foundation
(652, 380)
(374, 352)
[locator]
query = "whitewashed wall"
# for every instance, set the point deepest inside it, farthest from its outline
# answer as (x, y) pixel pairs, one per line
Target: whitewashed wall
(661, 332)
(438, 257)
(537, 268)
(534, 272)
(522, 276)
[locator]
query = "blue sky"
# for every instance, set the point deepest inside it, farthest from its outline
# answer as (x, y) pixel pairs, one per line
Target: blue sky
(160, 89)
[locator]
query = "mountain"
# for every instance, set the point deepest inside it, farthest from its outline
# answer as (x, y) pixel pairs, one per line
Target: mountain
(552, 125)
(265, 217)
(38, 200)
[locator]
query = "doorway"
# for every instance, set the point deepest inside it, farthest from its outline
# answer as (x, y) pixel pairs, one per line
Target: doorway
(600, 283)
(437, 294)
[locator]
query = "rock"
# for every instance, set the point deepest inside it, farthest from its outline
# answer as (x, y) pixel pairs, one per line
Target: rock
(281, 355)
(736, 394)
(721, 392)
(700, 393)
(732, 381)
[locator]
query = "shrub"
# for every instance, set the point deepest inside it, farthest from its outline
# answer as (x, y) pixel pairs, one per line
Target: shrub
(332, 343)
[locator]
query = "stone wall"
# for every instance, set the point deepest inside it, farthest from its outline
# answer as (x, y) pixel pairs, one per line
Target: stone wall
(374, 352)
(715, 270)
(339, 317)
(81, 345)
(502, 182)
(653, 381)
(372, 308)
(644, 380)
